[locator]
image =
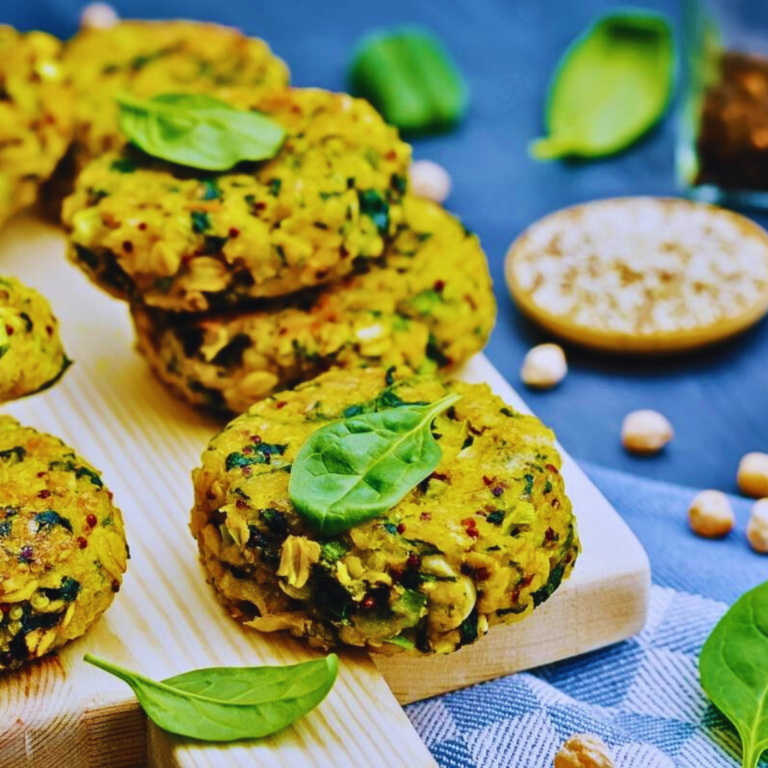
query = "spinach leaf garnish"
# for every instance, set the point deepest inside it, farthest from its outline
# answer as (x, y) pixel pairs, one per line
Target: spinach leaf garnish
(230, 703)
(733, 673)
(198, 131)
(354, 469)
(611, 86)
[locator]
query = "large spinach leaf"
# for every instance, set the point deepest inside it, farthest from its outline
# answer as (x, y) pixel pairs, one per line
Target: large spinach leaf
(610, 87)
(734, 670)
(198, 131)
(354, 469)
(229, 703)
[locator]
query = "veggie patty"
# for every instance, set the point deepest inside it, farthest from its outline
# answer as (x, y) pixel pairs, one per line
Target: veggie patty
(485, 539)
(147, 58)
(430, 305)
(186, 240)
(35, 115)
(32, 356)
(62, 544)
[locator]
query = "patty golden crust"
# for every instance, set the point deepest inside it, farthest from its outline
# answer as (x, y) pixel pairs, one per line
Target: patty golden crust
(147, 58)
(186, 240)
(36, 113)
(32, 356)
(429, 306)
(485, 539)
(62, 544)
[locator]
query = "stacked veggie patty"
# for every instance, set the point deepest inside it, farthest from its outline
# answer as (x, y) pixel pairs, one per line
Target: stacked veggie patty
(487, 537)
(146, 58)
(35, 115)
(185, 240)
(62, 544)
(262, 276)
(429, 305)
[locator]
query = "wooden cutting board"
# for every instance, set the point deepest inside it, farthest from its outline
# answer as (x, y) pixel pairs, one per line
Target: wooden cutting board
(61, 712)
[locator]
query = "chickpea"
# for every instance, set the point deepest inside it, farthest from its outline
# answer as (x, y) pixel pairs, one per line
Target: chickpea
(645, 432)
(585, 750)
(710, 514)
(430, 180)
(757, 527)
(98, 16)
(753, 475)
(544, 366)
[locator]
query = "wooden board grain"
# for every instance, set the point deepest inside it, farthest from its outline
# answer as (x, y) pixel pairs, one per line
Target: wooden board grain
(63, 712)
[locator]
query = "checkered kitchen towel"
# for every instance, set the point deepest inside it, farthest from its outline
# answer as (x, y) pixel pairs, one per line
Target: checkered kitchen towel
(642, 696)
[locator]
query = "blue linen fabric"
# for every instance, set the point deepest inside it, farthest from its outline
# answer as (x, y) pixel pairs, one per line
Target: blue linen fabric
(642, 695)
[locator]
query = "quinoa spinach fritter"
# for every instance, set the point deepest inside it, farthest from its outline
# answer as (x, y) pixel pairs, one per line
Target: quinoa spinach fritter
(485, 539)
(35, 115)
(62, 544)
(32, 356)
(187, 240)
(429, 306)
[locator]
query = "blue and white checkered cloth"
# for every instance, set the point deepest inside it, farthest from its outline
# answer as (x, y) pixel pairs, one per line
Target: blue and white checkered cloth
(643, 695)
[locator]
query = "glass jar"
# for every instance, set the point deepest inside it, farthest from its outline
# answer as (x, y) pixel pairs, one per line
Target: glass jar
(722, 149)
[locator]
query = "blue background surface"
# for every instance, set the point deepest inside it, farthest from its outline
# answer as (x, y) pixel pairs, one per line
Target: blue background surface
(717, 399)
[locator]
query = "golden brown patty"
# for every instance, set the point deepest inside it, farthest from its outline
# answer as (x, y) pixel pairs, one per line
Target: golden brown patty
(430, 305)
(484, 540)
(32, 356)
(185, 240)
(147, 58)
(62, 544)
(35, 115)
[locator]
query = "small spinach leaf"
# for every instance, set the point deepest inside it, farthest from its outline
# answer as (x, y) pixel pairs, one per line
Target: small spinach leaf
(733, 672)
(353, 470)
(198, 131)
(229, 703)
(611, 86)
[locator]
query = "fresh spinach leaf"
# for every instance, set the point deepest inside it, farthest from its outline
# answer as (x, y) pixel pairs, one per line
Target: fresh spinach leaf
(355, 469)
(611, 86)
(732, 666)
(229, 703)
(198, 131)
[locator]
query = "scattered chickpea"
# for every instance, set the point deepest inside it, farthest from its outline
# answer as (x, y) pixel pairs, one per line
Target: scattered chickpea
(645, 431)
(544, 366)
(757, 528)
(98, 16)
(585, 750)
(710, 514)
(753, 475)
(430, 180)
